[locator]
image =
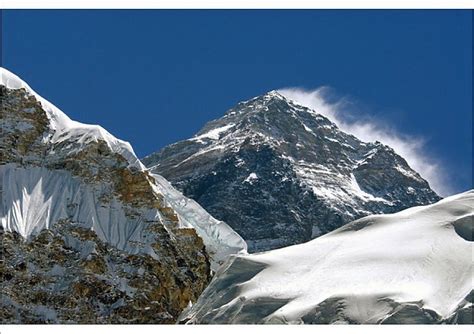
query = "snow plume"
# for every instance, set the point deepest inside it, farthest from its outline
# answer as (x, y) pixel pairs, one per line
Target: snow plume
(342, 112)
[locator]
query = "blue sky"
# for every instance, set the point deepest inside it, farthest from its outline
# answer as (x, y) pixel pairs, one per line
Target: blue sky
(154, 77)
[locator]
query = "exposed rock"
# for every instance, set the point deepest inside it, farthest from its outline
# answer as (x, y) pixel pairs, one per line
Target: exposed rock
(281, 174)
(86, 234)
(51, 273)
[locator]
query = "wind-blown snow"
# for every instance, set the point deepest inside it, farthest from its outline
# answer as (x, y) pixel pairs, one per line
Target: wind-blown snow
(414, 256)
(370, 130)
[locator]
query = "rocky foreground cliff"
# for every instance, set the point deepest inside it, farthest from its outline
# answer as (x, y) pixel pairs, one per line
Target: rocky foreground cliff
(87, 234)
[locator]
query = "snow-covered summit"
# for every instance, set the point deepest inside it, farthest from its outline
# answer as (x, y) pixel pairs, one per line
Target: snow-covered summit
(414, 266)
(313, 177)
(273, 94)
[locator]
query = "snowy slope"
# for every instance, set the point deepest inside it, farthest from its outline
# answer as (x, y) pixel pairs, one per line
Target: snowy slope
(48, 182)
(412, 266)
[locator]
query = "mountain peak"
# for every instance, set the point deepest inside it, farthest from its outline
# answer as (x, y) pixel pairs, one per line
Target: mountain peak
(323, 176)
(273, 94)
(264, 99)
(271, 102)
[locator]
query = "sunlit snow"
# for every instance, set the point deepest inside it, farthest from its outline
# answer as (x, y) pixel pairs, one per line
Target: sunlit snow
(414, 256)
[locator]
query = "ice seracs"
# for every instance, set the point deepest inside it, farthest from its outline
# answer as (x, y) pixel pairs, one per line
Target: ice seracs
(414, 266)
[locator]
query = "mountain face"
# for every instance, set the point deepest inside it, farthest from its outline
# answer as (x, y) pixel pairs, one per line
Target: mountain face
(87, 234)
(280, 173)
(411, 267)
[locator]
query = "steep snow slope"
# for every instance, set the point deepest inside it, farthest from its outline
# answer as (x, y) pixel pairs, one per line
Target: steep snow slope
(415, 266)
(221, 241)
(35, 197)
(281, 174)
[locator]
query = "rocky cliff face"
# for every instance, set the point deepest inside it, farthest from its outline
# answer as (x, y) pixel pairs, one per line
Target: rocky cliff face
(88, 235)
(67, 274)
(281, 174)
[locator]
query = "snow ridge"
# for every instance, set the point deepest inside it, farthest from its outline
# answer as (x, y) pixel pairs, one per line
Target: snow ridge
(372, 270)
(65, 128)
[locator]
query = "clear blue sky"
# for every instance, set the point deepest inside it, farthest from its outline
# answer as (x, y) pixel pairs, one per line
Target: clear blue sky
(154, 77)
